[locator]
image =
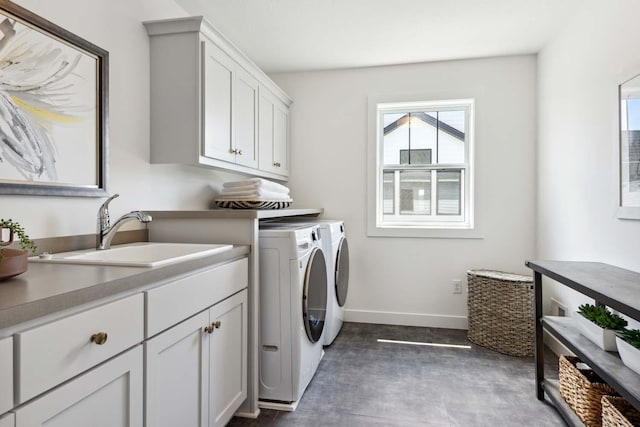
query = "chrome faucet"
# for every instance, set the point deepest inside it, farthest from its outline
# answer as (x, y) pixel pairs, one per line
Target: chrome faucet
(106, 231)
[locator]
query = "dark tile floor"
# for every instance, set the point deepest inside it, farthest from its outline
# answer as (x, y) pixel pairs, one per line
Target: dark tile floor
(361, 382)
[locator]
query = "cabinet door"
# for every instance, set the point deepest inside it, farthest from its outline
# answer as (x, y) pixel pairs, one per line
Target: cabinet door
(228, 358)
(245, 118)
(273, 134)
(217, 82)
(281, 138)
(177, 379)
(6, 374)
(8, 420)
(107, 396)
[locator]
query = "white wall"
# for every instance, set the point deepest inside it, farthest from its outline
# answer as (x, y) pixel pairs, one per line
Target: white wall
(408, 280)
(578, 140)
(117, 27)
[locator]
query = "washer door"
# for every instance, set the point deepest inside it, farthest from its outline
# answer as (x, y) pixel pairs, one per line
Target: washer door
(342, 272)
(314, 296)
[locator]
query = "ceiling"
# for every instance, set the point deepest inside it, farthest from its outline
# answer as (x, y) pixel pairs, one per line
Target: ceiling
(300, 35)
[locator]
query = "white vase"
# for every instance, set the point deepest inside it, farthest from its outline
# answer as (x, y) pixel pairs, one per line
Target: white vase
(603, 338)
(629, 354)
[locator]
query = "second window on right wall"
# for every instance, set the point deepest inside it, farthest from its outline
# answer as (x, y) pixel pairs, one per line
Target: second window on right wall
(424, 167)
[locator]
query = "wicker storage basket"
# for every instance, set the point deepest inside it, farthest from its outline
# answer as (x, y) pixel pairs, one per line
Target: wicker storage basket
(501, 311)
(617, 412)
(583, 390)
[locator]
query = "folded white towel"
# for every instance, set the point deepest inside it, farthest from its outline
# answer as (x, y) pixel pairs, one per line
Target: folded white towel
(254, 187)
(230, 192)
(257, 183)
(277, 198)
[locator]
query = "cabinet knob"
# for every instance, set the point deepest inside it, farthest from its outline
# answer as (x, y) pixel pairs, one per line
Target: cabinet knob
(276, 164)
(208, 329)
(99, 338)
(217, 324)
(233, 150)
(240, 152)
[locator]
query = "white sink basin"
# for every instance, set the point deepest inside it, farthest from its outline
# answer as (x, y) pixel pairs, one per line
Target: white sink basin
(147, 254)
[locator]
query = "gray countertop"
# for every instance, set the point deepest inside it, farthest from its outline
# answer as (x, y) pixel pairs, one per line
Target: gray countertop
(45, 289)
(234, 213)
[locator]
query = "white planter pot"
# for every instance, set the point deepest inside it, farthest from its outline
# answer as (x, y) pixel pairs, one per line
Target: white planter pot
(603, 338)
(629, 354)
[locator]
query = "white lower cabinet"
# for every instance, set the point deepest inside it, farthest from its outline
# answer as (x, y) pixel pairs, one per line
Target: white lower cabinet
(6, 375)
(176, 385)
(197, 370)
(227, 358)
(109, 395)
(8, 420)
(88, 368)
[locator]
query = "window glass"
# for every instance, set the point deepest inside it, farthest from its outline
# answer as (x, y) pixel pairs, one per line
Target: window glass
(451, 137)
(449, 192)
(415, 192)
(388, 192)
(396, 138)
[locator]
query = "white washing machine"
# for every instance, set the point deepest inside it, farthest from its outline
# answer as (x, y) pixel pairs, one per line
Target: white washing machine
(293, 301)
(336, 249)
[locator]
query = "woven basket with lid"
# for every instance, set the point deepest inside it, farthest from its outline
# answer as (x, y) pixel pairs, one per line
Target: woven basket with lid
(501, 315)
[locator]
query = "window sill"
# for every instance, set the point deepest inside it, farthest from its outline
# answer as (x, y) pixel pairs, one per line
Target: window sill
(425, 233)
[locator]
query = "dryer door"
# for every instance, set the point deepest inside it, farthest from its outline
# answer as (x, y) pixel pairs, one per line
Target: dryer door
(342, 272)
(314, 297)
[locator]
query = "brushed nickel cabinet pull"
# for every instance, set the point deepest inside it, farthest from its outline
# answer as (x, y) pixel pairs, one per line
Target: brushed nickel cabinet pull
(208, 329)
(217, 324)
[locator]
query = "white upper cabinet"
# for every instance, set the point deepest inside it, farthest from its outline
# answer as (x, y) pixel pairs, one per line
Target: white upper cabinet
(206, 102)
(217, 84)
(245, 103)
(273, 122)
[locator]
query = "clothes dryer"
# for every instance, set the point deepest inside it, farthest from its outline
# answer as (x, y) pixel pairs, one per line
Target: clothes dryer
(293, 303)
(335, 244)
(336, 249)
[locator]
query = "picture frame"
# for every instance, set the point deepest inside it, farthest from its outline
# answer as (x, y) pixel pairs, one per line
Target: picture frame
(629, 148)
(53, 108)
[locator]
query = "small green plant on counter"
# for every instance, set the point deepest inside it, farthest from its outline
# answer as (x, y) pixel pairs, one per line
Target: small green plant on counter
(16, 229)
(632, 336)
(602, 317)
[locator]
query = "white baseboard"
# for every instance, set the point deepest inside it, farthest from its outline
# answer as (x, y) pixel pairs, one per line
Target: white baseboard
(406, 319)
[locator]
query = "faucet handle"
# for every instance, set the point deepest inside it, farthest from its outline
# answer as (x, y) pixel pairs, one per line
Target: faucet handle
(103, 213)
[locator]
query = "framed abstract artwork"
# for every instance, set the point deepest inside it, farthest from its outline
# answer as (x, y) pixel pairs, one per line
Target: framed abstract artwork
(629, 97)
(53, 108)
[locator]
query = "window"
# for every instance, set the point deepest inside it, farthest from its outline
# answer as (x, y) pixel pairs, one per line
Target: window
(423, 165)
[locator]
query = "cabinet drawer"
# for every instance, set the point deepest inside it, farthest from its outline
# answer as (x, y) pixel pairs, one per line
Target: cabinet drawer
(6, 374)
(50, 354)
(170, 304)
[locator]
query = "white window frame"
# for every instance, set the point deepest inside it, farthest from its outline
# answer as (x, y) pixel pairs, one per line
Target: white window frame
(445, 226)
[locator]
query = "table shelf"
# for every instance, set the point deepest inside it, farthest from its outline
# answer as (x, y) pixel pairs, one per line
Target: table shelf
(614, 287)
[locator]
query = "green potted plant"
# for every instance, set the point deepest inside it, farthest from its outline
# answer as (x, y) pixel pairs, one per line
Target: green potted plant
(13, 261)
(599, 325)
(628, 342)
